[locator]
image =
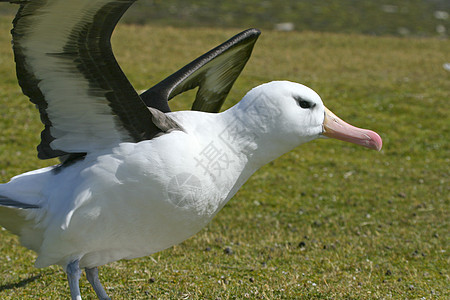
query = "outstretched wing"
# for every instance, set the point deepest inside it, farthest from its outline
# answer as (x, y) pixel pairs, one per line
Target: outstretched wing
(65, 65)
(214, 73)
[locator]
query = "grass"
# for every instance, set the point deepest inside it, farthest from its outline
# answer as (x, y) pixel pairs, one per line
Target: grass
(328, 220)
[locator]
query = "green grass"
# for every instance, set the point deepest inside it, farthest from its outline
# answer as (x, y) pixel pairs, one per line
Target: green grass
(371, 225)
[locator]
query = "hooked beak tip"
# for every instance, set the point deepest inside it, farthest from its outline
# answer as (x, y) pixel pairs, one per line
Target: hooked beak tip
(334, 127)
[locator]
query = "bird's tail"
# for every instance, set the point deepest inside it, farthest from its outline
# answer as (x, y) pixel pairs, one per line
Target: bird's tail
(11, 214)
(13, 217)
(22, 206)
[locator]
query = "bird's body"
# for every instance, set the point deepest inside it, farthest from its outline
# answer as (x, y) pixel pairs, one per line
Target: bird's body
(136, 178)
(134, 199)
(126, 201)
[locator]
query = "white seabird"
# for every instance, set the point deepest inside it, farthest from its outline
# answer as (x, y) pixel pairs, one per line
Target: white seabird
(136, 178)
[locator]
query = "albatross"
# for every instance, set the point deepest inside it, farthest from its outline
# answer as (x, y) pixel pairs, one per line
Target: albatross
(136, 178)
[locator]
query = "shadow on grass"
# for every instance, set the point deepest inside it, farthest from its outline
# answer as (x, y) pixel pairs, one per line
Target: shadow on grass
(21, 283)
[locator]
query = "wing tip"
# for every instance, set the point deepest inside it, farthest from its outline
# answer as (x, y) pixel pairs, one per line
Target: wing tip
(248, 34)
(253, 31)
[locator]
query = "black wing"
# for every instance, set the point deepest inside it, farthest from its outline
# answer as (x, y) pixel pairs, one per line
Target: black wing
(214, 73)
(65, 65)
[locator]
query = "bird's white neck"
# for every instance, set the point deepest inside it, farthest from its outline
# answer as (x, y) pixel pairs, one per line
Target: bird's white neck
(237, 142)
(248, 131)
(258, 132)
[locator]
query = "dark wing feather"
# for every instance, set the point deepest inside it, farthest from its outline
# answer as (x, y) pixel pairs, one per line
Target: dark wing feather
(66, 66)
(214, 73)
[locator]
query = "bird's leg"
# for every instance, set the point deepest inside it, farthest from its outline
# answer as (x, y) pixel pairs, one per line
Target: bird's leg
(73, 275)
(92, 277)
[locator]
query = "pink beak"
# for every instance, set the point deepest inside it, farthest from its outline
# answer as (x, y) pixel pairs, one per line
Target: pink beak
(334, 127)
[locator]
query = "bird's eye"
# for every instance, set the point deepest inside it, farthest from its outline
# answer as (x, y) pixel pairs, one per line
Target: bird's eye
(304, 103)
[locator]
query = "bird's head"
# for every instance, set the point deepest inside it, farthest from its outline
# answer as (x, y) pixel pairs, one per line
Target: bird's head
(298, 111)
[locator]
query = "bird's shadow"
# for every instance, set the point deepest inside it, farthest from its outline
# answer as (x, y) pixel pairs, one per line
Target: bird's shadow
(22, 283)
